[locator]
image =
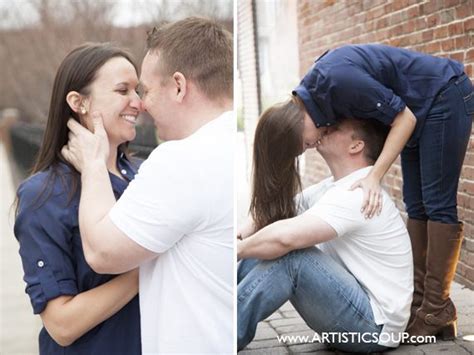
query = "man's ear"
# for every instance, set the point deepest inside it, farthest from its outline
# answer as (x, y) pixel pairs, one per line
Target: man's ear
(180, 84)
(76, 102)
(356, 147)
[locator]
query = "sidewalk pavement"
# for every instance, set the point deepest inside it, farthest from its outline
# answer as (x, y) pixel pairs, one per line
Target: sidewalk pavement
(19, 328)
(287, 322)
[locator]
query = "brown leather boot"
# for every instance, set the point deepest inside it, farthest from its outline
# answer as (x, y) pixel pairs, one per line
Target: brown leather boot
(419, 242)
(437, 314)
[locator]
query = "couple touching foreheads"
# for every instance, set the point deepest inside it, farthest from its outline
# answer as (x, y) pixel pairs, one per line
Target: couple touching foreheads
(339, 250)
(170, 235)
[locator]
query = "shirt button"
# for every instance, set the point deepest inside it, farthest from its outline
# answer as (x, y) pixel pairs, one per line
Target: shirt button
(318, 125)
(40, 263)
(379, 104)
(123, 171)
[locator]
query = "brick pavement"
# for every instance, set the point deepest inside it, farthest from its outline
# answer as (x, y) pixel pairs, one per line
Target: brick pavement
(287, 322)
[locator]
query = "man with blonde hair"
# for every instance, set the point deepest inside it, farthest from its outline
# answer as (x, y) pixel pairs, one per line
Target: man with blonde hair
(329, 261)
(175, 220)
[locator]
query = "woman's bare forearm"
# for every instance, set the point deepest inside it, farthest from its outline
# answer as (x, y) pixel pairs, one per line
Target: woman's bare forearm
(67, 318)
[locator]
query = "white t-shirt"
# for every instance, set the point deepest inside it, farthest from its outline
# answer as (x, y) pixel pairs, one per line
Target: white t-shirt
(376, 251)
(180, 204)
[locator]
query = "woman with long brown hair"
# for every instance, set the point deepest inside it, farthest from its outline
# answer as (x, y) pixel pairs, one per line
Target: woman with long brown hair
(82, 312)
(275, 176)
(275, 169)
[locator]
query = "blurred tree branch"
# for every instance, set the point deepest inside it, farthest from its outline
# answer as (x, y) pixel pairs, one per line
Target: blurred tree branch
(42, 32)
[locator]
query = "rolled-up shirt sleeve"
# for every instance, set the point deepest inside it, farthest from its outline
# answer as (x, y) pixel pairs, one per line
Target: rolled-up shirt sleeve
(45, 249)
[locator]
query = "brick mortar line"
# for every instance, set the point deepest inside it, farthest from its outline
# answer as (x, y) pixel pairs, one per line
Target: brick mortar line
(388, 28)
(386, 16)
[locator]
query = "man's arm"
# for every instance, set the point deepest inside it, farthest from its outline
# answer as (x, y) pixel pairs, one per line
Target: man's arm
(106, 248)
(281, 237)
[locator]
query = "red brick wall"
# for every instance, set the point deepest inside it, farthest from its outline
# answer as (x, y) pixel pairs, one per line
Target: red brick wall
(438, 27)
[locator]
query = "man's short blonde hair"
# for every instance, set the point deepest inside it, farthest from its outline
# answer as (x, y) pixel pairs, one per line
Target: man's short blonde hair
(200, 49)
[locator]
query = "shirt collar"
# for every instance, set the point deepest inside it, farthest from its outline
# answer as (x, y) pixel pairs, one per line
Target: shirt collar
(348, 180)
(124, 164)
(224, 116)
(127, 169)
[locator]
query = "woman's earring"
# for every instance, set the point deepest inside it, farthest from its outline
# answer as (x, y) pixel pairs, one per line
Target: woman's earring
(83, 110)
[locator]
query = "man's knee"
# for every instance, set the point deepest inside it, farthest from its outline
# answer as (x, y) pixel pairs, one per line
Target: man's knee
(307, 252)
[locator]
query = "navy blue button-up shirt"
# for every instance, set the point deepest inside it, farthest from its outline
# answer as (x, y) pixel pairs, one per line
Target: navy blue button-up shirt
(375, 82)
(53, 260)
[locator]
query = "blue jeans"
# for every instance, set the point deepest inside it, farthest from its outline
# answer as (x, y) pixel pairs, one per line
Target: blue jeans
(431, 169)
(324, 293)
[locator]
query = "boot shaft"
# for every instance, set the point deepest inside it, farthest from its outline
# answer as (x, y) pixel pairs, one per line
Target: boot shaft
(444, 247)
